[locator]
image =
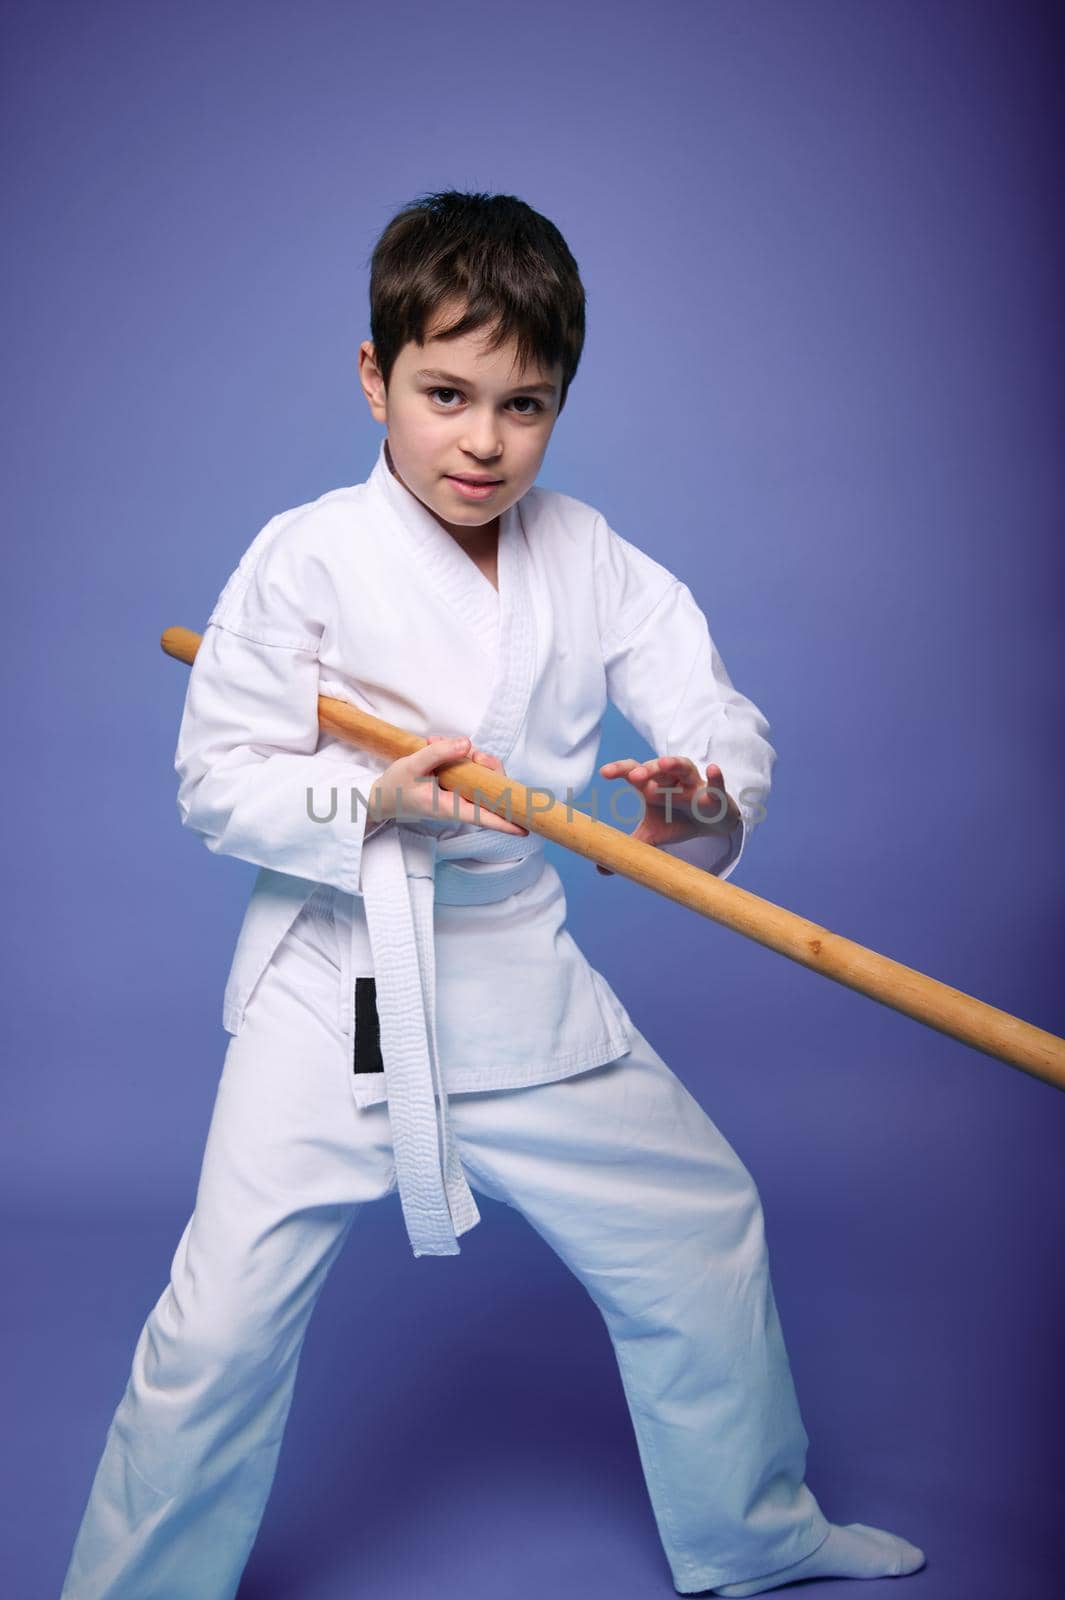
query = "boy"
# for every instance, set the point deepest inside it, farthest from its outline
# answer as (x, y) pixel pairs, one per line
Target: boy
(406, 1007)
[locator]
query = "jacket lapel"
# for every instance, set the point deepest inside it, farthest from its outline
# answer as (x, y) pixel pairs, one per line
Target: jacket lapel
(515, 656)
(502, 622)
(461, 584)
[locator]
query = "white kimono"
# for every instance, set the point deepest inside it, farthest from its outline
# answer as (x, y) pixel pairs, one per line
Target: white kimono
(362, 595)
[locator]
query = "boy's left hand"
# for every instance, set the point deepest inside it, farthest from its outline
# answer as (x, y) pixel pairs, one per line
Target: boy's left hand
(672, 787)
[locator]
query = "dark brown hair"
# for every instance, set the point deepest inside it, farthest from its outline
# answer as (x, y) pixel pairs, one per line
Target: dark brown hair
(505, 263)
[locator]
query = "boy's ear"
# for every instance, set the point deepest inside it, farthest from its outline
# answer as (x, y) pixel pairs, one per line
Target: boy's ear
(373, 386)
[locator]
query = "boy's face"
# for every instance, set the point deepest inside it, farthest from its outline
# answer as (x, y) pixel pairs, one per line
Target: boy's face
(454, 411)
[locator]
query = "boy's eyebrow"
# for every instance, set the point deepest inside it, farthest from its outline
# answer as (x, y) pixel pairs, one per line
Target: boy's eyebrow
(464, 383)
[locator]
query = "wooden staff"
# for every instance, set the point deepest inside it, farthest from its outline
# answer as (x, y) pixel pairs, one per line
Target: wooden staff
(936, 1004)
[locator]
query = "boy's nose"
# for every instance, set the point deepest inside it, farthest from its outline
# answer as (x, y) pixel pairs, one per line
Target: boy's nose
(483, 442)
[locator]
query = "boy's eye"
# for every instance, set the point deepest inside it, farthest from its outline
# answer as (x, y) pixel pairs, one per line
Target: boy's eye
(442, 394)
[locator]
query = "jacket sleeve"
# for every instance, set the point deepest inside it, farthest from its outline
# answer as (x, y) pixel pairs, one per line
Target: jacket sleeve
(257, 776)
(665, 676)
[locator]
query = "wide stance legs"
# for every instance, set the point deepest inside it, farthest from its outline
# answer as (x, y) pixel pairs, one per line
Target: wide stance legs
(625, 1176)
(618, 1168)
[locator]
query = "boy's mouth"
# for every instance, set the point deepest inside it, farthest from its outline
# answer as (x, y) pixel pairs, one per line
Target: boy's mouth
(474, 488)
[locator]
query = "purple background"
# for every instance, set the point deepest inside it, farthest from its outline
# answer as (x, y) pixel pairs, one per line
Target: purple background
(823, 384)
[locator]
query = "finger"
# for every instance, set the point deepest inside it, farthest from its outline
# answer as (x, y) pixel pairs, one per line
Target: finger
(651, 779)
(674, 768)
(438, 751)
(606, 871)
(635, 771)
(662, 766)
(713, 802)
(714, 783)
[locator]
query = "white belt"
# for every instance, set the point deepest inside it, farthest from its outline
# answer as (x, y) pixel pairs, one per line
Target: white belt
(403, 873)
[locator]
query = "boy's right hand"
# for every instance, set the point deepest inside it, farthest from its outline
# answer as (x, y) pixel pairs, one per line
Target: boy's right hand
(406, 789)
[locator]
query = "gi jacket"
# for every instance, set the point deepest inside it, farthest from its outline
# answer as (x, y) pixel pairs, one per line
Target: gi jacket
(362, 595)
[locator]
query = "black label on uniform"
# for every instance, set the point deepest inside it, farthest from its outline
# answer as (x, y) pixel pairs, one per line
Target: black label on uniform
(367, 1027)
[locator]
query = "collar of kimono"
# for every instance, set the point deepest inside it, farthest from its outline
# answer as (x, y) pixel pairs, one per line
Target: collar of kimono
(459, 581)
(406, 868)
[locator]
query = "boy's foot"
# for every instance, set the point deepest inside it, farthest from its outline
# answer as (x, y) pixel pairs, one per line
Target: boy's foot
(850, 1551)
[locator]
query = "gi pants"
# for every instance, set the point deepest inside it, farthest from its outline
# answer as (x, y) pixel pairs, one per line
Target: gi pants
(618, 1168)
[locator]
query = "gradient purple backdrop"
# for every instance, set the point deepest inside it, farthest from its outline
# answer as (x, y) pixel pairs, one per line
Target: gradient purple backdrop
(822, 384)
